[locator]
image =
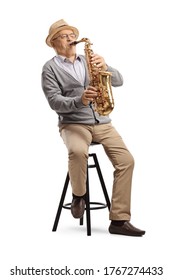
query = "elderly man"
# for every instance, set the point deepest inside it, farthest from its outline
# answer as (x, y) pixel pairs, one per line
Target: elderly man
(66, 85)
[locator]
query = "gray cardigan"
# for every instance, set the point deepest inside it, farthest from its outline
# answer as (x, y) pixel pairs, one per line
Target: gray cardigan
(64, 92)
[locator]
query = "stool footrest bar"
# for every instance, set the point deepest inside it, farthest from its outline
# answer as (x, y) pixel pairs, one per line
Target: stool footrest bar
(98, 205)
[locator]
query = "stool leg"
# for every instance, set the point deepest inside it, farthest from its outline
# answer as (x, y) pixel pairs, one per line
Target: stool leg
(61, 203)
(88, 219)
(81, 221)
(102, 181)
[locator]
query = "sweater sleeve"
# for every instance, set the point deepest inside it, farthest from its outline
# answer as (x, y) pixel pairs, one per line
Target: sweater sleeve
(53, 93)
(117, 79)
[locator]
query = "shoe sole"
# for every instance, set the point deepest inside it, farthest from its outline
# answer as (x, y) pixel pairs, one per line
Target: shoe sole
(125, 233)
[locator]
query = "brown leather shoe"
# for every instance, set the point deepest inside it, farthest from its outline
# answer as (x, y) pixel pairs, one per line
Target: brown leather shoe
(78, 207)
(126, 229)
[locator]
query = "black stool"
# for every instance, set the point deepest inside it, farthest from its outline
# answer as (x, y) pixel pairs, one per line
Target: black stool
(89, 205)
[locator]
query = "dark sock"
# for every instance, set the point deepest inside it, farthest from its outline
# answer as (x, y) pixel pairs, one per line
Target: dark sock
(118, 223)
(76, 196)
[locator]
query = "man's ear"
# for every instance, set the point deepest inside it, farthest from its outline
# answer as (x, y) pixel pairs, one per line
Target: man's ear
(52, 43)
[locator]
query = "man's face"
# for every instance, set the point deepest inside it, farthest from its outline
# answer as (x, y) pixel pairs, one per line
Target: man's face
(61, 42)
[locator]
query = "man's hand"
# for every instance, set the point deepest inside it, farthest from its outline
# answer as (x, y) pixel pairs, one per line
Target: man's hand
(99, 62)
(89, 94)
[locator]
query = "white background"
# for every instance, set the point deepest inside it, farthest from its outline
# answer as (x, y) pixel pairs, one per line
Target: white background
(136, 38)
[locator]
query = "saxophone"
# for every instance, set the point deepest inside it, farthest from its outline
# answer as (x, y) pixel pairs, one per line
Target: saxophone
(104, 103)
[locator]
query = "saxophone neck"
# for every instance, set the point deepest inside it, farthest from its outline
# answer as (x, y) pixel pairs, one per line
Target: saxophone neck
(85, 40)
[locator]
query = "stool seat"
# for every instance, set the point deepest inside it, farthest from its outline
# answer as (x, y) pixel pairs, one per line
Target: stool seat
(89, 204)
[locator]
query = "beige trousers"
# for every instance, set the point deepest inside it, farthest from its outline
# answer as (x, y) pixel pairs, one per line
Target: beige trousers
(77, 138)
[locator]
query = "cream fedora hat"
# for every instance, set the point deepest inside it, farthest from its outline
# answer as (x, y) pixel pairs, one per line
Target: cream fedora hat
(57, 27)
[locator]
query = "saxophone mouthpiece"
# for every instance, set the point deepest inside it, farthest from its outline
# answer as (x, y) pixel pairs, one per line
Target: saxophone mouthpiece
(73, 43)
